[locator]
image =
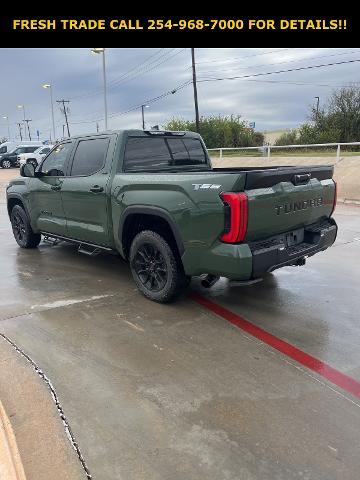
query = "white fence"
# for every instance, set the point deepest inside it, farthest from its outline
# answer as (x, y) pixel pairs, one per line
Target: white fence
(266, 149)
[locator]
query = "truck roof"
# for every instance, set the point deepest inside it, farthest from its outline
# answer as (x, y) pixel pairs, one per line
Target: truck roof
(138, 132)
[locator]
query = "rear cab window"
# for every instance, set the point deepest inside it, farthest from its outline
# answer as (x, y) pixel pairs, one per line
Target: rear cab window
(164, 153)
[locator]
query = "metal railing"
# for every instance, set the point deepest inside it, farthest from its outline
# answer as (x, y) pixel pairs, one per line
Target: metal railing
(266, 149)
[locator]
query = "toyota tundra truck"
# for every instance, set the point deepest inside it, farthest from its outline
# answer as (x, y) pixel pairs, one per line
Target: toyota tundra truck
(154, 198)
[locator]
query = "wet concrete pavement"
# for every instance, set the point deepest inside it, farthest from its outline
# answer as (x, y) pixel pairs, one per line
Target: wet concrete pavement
(175, 392)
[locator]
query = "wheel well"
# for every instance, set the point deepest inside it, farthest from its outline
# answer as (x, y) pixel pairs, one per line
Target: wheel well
(11, 204)
(137, 222)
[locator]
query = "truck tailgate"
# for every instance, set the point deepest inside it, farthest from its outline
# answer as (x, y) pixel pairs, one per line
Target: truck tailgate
(285, 199)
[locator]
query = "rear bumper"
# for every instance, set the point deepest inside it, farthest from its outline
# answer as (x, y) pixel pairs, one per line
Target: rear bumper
(247, 261)
(273, 253)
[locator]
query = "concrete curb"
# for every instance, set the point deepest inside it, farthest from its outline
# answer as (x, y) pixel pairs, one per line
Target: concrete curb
(11, 467)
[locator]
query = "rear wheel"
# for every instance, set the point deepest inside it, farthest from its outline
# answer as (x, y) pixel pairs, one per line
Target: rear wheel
(23, 233)
(155, 267)
(6, 164)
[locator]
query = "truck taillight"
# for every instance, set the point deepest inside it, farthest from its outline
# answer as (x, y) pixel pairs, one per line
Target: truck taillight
(335, 198)
(236, 217)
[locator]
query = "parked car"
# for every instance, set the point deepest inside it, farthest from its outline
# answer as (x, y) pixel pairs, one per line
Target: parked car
(6, 147)
(10, 159)
(35, 157)
(155, 199)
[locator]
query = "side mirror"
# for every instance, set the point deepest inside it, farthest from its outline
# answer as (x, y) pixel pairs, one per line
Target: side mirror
(27, 170)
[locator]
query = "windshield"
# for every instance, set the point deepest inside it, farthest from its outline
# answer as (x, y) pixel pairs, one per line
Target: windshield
(18, 150)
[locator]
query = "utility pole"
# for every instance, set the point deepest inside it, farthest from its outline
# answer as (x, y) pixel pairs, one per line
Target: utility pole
(20, 132)
(195, 90)
(65, 112)
(27, 120)
(317, 107)
(97, 127)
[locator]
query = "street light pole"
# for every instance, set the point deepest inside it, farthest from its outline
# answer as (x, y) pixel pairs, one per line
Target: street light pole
(143, 115)
(5, 117)
(49, 86)
(98, 51)
(317, 107)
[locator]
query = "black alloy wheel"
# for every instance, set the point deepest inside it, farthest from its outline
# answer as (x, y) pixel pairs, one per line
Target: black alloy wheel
(150, 267)
(156, 267)
(19, 227)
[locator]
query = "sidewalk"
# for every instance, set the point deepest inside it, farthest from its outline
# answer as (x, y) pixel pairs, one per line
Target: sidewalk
(34, 442)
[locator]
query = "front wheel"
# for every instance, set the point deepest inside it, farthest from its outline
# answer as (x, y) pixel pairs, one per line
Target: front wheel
(155, 267)
(6, 164)
(23, 233)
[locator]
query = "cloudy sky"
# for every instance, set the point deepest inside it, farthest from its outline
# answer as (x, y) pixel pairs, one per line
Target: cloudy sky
(137, 76)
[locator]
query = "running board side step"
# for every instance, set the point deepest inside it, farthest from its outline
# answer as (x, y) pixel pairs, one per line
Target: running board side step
(83, 247)
(51, 240)
(89, 250)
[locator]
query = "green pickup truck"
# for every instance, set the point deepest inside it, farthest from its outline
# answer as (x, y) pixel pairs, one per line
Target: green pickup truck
(154, 198)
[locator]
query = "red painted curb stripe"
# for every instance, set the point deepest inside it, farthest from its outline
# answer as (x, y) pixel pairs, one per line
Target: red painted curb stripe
(340, 379)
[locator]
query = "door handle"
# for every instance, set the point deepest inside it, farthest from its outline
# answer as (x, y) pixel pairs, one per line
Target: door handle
(56, 188)
(96, 189)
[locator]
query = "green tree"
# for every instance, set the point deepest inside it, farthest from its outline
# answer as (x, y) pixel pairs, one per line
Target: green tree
(288, 138)
(221, 131)
(337, 121)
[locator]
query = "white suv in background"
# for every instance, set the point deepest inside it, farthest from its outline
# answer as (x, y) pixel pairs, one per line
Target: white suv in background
(35, 157)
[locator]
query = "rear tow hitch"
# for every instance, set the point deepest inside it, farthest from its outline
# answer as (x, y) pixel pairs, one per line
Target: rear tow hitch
(209, 280)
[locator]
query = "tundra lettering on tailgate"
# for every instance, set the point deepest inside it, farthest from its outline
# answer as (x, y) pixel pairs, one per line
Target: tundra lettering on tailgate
(301, 205)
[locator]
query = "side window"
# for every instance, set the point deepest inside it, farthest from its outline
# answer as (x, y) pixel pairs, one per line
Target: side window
(90, 156)
(30, 149)
(19, 150)
(142, 153)
(54, 164)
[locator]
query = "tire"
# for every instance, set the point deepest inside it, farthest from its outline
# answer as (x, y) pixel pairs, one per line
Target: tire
(5, 164)
(155, 267)
(23, 233)
(33, 162)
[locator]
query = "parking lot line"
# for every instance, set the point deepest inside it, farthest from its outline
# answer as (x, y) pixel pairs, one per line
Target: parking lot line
(326, 371)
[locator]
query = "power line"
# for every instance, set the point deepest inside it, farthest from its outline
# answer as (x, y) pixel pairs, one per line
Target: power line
(246, 56)
(97, 91)
(135, 72)
(151, 68)
(302, 83)
(308, 67)
(281, 63)
(137, 106)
